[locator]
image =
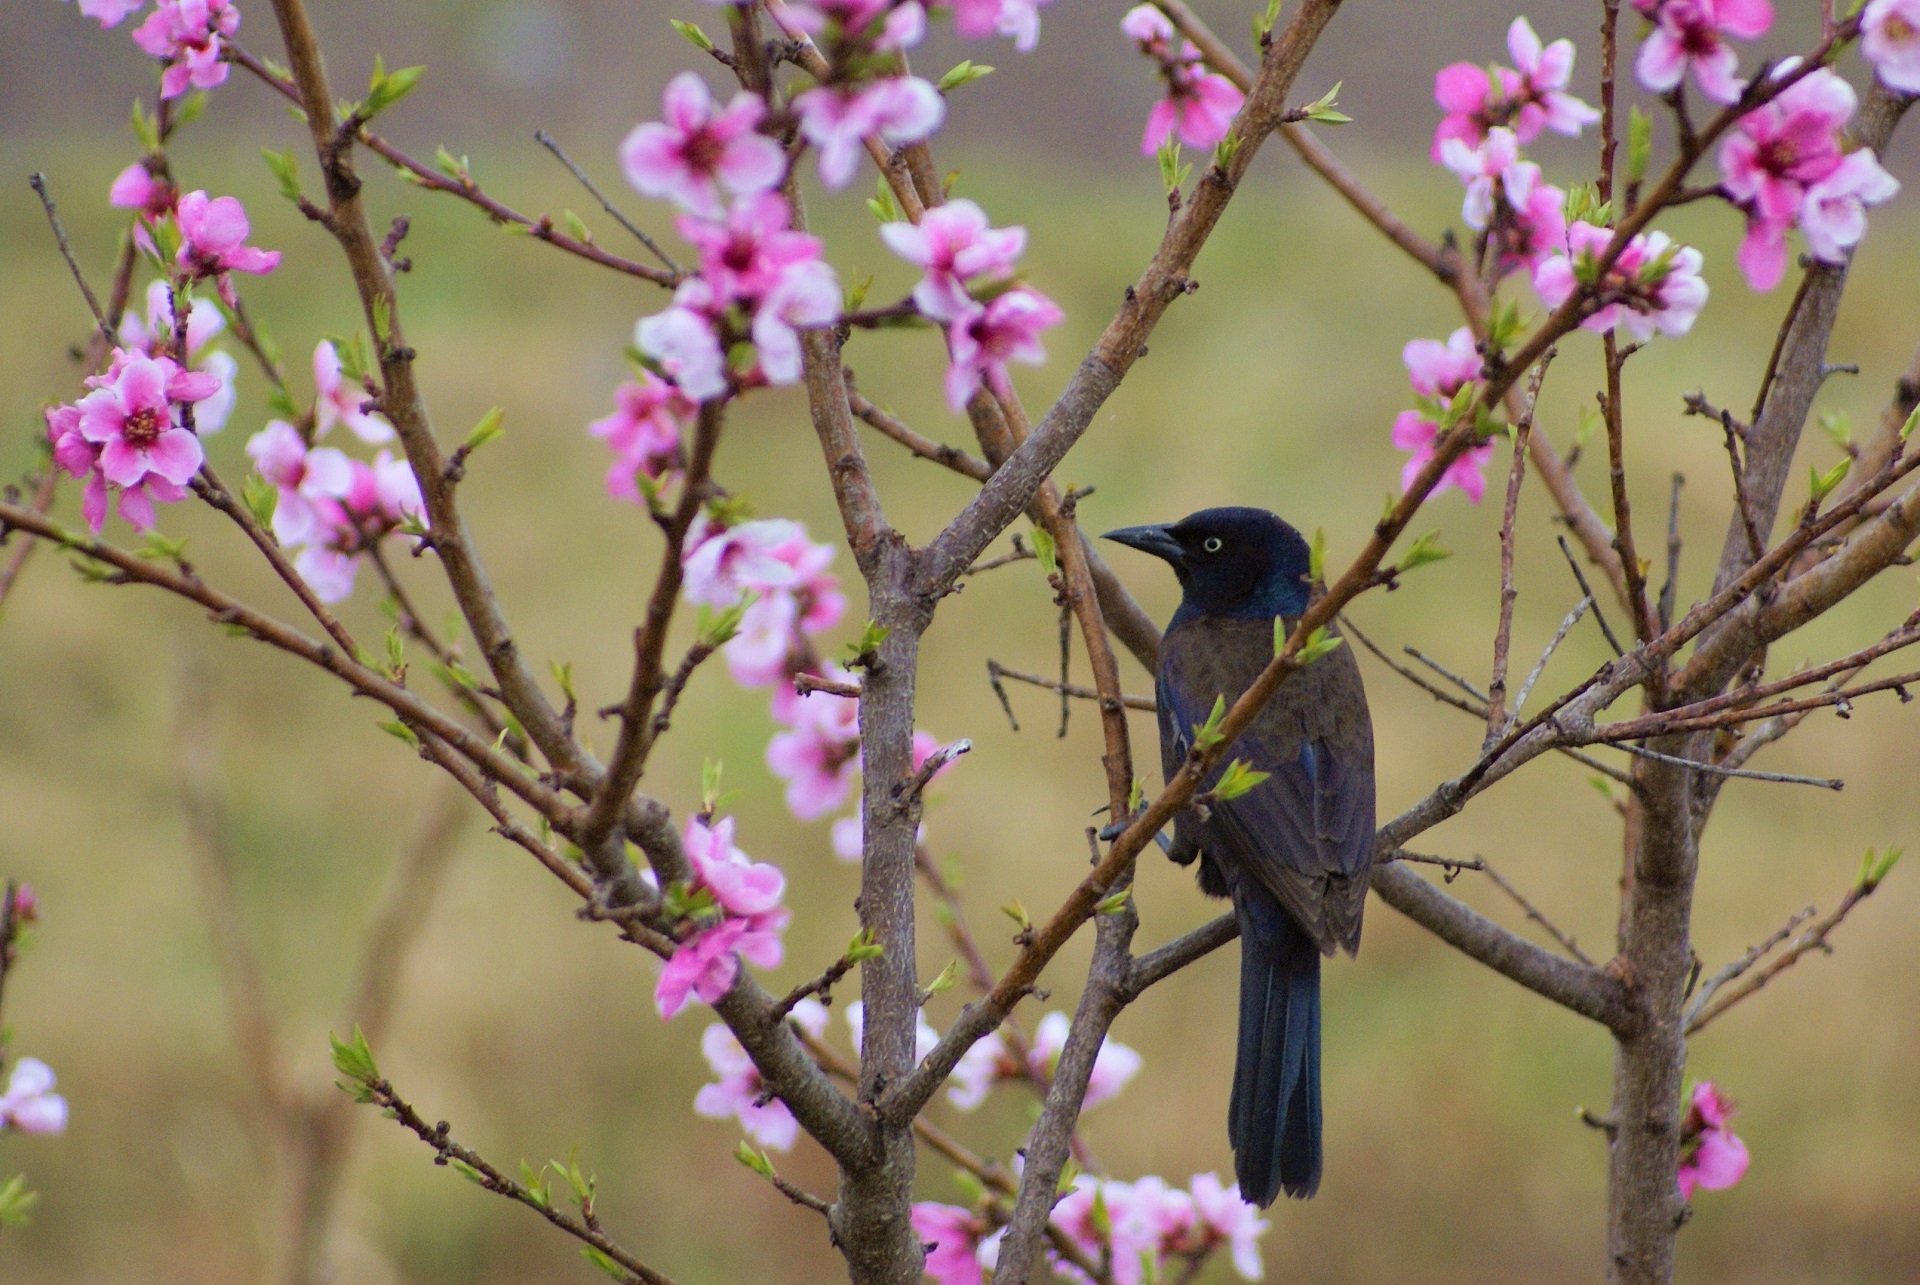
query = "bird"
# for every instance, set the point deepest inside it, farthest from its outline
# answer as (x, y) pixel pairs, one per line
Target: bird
(1294, 851)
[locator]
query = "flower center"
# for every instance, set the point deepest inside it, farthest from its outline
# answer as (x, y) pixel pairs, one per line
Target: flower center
(702, 151)
(142, 428)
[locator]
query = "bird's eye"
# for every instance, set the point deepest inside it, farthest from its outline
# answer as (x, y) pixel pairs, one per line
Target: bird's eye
(1211, 544)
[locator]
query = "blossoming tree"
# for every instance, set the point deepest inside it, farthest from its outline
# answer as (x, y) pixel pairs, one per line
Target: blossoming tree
(822, 88)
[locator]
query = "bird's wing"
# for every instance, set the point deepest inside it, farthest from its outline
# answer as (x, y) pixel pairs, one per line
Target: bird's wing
(1306, 832)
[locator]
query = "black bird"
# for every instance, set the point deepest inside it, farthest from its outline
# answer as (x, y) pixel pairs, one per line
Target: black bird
(1294, 851)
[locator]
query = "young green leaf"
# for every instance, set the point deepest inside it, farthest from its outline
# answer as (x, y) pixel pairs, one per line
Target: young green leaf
(694, 36)
(1317, 557)
(1323, 110)
(964, 73)
(1318, 644)
(1238, 778)
(1046, 551)
(400, 731)
(16, 1201)
(1115, 902)
(1821, 483)
(945, 981)
(1207, 735)
(388, 88)
(1424, 549)
(352, 1058)
(286, 171)
(882, 203)
(753, 1159)
(1639, 144)
(864, 947)
(1173, 175)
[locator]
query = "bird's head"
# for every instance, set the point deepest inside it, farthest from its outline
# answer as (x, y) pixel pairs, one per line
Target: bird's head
(1231, 562)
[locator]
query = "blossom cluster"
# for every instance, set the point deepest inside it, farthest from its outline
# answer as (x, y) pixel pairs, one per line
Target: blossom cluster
(1438, 372)
(329, 507)
(1200, 105)
(991, 1061)
(188, 36)
(1138, 1227)
(731, 907)
(128, 437)
(1712, 1158)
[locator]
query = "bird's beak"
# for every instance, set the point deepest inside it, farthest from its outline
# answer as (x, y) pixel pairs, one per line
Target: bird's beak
(1157, 540)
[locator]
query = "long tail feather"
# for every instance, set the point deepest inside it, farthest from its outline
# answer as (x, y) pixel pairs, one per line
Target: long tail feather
(1274, 1119)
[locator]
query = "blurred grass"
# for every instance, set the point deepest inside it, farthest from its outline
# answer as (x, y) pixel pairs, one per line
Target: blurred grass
(1454, 1152)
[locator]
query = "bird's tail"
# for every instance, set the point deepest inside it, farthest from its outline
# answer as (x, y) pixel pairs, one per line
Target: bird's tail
(1274, 1119)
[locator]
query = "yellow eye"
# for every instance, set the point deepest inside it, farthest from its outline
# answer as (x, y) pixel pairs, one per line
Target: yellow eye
(1211, 544)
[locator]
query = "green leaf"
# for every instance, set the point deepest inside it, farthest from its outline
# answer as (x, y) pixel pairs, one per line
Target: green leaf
(1239, 778)
(868, 646)
(1913, 421)
(1838, 428)
(563, 679)
(945, 981)
(753, 1158)
(1136, 795)
(468, 1172)
(1323, 110)
(400, 731)
(1263, 23)
(1318, 644)
(159, 548)
(1114, 902)
(693, 35)
(1874, 867)
(964, 73)
(1225, 150)
(1424, 549)
(396, 650)
(352, 1058)
(539, 1189)
(389, 88)
(16, 1201)
(1317, 557)
(261, 498)
(1505, 327)
(882, 203)
(286, 171)
(1173, 175)
(1639, 144)
(487, 429)
(582, 1183)
(189, 109)
(1821, 483)
(1018, 913)
(1207, 735)
(459, 169)
(382, 319)
(863, 947)
(856, 296)
(710, 770)
(1046, 551)
(146, 127)
(577, 227)
(599, 1258)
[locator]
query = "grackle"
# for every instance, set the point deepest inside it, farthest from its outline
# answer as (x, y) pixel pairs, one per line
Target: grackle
(1294, 851)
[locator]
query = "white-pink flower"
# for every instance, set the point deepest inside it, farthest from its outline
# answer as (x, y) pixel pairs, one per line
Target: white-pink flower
(804, 297)
(1890, 40)
(1833, 213)
(899, 109)
(644, 430)
(30, 1104)
(682, 340)
(1492, 170)
(1653, 286)
(1113, 1066)
(738, 1090)
(1199, 107)
(1151, 29)
(984, 339)
(109, 13)
(154, 336)
(340, 401)
(982, 1066)
(953, 244)
(305, 479)
(1691, 34)
(924, 1036)
(130, 416)
(138, 188)
(700, 148)
(723, 564)
(705, 964)
(190, 36)
(818, 754)
(1019, 19)
(740, 885)
(1223, 1216)
(213, 235)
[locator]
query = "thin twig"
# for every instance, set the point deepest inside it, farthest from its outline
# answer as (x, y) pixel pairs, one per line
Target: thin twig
(39, 184)
(1738, 968)
(1539, 667)
(1716, 769)
(1580, 578)
(1814, 938)
(1564, 940)
(1669, 591)
(548, 141)
(997, 671)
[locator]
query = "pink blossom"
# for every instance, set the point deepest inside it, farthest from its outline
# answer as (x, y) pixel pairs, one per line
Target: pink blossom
(1223, 1216)
(384, 494)
(1527, 98)
(305, 479)
(953, 244)
(75, 455)
(109, 13)
(213, 234)
(1199, 106)
(740, 885)
(138, 188)
(697, 149)
(900, 109)
(982, 1066)
(328, 571)
(1113, 1066)
(1019, 19)
(130, 416)
(739, 1089)
(1149, 28)
(818, 755)
(1492, 172)
(1890, 40)
(705, 965)
(1833, 213)
(644, 432)
(899, 25)
(190, 36)
(1440, 370)
(1692, 34)
(723, 564)
(805, 297)
(154, 336)
(339, 401)
(984, 339)
(26, 904)
(1534, 229)
(848, 833)
(1414, 432)
(953, 1236)
(1437, 372)
(761, 653)
(1131, 1233)
(682, 340)
(1654, 284)
(30, 1104)
(1712, 1158)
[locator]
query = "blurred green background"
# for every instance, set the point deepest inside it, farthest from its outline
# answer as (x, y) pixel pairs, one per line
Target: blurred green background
(1454, 1150)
